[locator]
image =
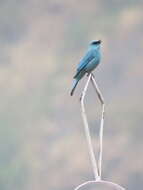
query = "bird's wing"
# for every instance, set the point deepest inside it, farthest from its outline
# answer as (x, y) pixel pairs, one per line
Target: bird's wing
(84, 61)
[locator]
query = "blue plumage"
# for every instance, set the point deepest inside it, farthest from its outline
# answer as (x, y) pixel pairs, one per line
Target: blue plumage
(88, 63)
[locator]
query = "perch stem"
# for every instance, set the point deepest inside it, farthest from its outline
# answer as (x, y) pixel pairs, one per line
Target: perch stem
(100, 96)
(87, 132)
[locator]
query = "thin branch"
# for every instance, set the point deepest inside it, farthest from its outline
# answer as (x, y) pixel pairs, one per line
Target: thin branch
(100, 96)
(88, 137)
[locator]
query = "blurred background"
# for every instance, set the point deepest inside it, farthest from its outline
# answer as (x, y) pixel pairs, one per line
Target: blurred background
(42, 141)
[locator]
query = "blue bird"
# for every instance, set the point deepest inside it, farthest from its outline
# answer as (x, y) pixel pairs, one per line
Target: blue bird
(88, 63)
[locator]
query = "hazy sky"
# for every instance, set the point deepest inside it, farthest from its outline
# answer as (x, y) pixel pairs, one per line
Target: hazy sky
(42, 142)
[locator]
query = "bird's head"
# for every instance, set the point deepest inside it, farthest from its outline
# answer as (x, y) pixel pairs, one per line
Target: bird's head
(95, 43)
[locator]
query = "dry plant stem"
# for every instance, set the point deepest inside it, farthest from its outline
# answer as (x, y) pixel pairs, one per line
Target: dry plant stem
(88, 137)
(100, 96)
(96, 168)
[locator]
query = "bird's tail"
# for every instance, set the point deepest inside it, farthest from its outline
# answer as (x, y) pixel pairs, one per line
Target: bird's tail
(74, 86)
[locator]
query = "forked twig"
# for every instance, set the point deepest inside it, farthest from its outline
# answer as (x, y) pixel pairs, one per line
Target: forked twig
(97, 166)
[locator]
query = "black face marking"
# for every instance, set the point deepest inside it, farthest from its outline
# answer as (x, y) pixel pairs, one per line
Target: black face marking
(96, 42)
